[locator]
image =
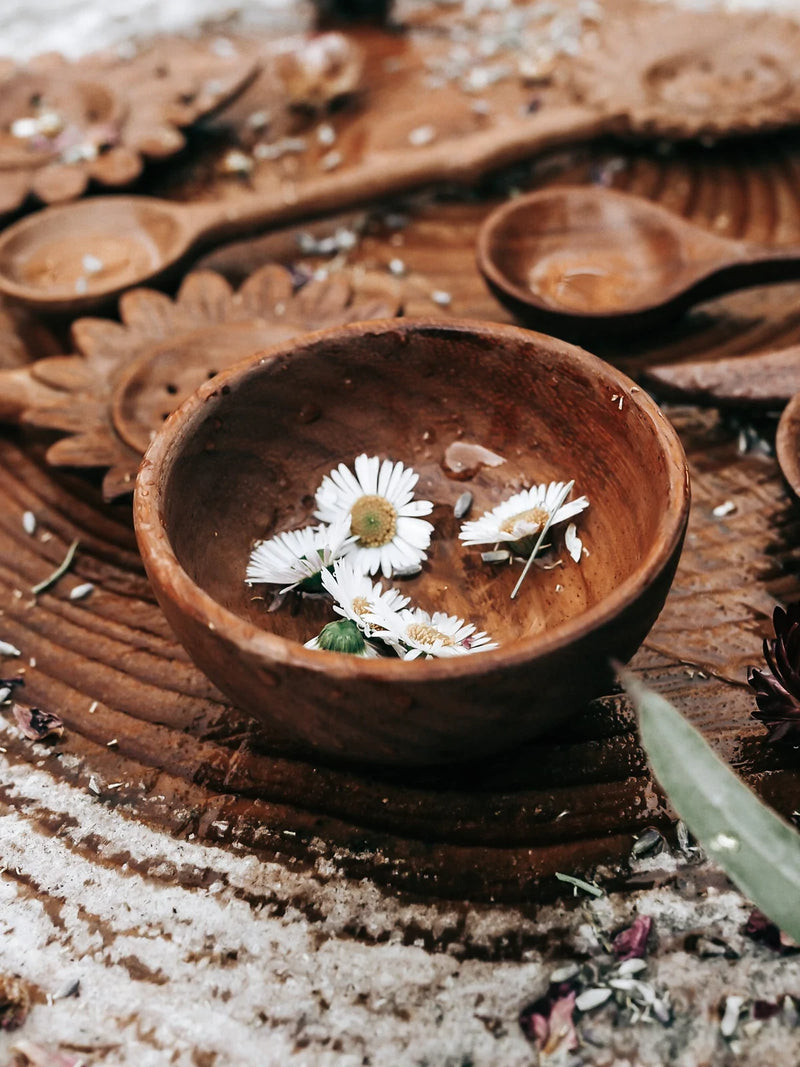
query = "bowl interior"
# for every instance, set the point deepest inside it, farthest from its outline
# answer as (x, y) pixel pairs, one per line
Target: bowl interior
(258, 440)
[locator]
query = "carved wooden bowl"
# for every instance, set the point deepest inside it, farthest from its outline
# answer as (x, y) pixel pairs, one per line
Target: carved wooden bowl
(241, 459)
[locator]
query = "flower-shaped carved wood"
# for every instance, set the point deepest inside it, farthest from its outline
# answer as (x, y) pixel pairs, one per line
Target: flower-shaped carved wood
(692, 74)
(63, 124)
(110, 398)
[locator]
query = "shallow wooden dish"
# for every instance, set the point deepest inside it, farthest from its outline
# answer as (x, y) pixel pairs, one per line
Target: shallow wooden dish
(241, 460)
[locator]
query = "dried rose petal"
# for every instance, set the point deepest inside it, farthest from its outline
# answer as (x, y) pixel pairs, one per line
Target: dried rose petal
(37, 724)
(764, 930)
(548, 1023)
(765, 1009)
(41, 1056)
(631, 943)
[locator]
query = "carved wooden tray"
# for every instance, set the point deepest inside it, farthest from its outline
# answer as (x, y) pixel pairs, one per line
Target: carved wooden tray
(112, 396)
(63, 124)
(151, 735)
(448, 97)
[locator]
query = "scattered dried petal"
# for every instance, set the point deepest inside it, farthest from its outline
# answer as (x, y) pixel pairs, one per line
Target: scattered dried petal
(29, 523)
(765, 1009)
(549, 1025)
(631, 943)
(462, 505)
(760, 928)
(7, 686)
(37, 724)
(40, 1056)
(722, 510)
(498, 556)
(730, 1017)
(7, 649)
(80, 592)
(592, 998)
(421, 135)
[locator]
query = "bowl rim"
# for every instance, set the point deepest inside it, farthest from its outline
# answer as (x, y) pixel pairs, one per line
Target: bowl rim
(264, 645)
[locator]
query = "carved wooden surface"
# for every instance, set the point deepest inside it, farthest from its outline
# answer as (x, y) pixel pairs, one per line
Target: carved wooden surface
(164, 829)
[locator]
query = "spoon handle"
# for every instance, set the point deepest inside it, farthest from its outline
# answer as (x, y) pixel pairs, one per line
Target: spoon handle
(742, 265)
(384, 173)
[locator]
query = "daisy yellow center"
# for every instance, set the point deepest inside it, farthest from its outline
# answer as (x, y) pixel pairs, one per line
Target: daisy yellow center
(533, 516)
(427, 635)
(373, 520)
(361, 606)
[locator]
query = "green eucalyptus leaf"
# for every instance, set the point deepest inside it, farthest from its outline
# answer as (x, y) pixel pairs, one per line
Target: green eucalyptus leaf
(757, 849)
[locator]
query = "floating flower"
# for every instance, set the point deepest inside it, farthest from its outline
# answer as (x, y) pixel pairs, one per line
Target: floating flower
(356, 597)
(343, 635)
(412, 632)
(522, 516)
(388, 533)
(778, 689)
(296, 559)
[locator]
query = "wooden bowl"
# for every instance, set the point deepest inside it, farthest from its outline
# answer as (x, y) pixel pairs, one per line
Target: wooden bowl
(241, 459)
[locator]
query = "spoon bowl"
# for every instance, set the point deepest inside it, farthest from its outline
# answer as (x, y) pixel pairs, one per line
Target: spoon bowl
(91, 250)
(584, 261)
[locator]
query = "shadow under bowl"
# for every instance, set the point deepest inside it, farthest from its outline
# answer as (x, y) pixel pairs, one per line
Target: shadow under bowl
(242, 458)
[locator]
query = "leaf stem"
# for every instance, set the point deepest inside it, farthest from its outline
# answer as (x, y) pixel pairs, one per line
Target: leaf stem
(548, 523)
(60, 570)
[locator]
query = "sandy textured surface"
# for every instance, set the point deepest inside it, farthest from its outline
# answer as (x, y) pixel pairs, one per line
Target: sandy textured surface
(193, 955)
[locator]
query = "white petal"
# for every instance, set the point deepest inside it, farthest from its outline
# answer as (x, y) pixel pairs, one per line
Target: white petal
(385, 477)
(571, 508)
(573, 543)
(416, 532)
(367, 473)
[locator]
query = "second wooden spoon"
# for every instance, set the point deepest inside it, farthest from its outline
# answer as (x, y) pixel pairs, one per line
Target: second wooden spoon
(586, 261)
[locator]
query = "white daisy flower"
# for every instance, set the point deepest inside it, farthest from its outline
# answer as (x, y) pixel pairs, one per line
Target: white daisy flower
(388, 533)
(356, 597)
(522, 515)
(343, 635)
(413, 633)
(297, 558)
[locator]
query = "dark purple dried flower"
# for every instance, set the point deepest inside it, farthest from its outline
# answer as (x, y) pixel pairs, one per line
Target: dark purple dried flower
(37, 724)
(778, 689)
(764, 930)
(631, 943)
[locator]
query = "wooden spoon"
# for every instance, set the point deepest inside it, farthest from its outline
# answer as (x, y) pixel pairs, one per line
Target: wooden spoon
(76, 256)
(586, 261)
